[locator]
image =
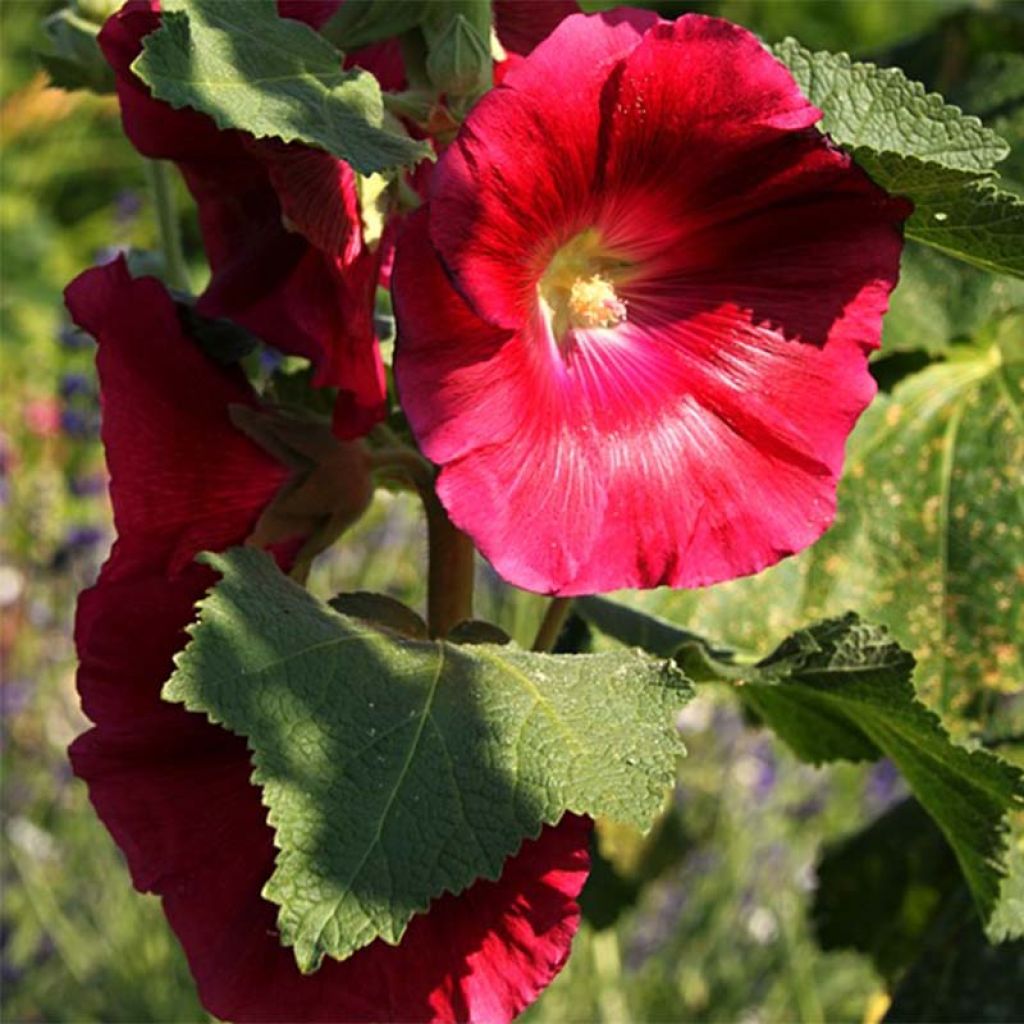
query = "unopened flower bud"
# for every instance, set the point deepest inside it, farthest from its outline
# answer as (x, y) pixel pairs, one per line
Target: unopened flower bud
(459, 62)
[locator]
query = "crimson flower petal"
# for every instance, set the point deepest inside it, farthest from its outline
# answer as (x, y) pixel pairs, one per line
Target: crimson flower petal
(522, 24)
(666, 282)
(184, 479)
(174, 790)
(524, 163)
(280, 224)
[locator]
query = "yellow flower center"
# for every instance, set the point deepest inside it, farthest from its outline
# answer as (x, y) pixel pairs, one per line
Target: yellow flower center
(593, 303)
(578, 290)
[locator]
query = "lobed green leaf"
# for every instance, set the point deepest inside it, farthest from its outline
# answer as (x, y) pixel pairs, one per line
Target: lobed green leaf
(396, 769)
(880, 109)
(842, 690)
(913, 143)
(249, 69)
(960, 213)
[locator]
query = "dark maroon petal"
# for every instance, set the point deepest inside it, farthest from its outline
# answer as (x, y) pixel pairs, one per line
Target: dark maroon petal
(280, 224)
(175, 791)
(522, 24)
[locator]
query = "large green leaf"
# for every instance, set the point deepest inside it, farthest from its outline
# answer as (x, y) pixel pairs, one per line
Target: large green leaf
(960, 213)
(881, 110)
(842, 690)
(273, 77)
(927, 539)
(397, 769)
(880, 889)
(959, 976)
(914, 144)
(939, 301)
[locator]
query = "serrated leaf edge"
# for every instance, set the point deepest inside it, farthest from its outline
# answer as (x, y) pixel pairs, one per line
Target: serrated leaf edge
(223, 566)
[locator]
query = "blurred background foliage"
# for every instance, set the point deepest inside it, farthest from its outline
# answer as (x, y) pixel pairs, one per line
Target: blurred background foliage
(770, 891)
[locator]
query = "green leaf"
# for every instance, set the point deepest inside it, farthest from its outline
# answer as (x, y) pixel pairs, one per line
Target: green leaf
(879, 890)
(1007, 923)
(74, 60)
(914, 144)
(381, 611)
(940, 300)
(273, 77)
(637, 629)
(931, 526)
(881, 110)
(959, 975)
(396, 769)
(959, 213)
(841, 690)
(361, 22)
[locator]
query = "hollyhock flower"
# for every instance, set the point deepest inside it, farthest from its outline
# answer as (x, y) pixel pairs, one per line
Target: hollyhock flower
(281, 223)
(521, 24)
(666, 283)
(174, 790)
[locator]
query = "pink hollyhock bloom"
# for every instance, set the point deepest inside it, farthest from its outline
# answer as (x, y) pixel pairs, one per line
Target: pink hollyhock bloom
(666, 284)
(281, 223)
(42, 416)
(174, 790)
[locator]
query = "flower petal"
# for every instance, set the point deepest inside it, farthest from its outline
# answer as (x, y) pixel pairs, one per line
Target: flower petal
(522, 24)
(180, 477)
(696, 445)
(525, 162)
(280, 226)
(174, 789)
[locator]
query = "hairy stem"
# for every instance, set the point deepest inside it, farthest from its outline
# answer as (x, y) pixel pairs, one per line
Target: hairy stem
(552, 623)
(162, 186)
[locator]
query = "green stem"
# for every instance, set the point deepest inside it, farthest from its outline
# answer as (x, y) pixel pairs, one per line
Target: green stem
(552, 623)
(407, 464)
(611, 1002)
(450, 570)
(414, 60)
(451, 556)
(808, 1005)
(159, 174)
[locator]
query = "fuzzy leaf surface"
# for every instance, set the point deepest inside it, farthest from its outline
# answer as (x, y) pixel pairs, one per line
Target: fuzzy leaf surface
(881, 110)
(397, 769)
(960, 213)
(248, 68)
(842, 690)
(912, 143)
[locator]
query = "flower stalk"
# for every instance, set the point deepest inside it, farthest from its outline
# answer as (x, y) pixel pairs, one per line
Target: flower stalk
(450, 570)
(162, 188)
(551, 625)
